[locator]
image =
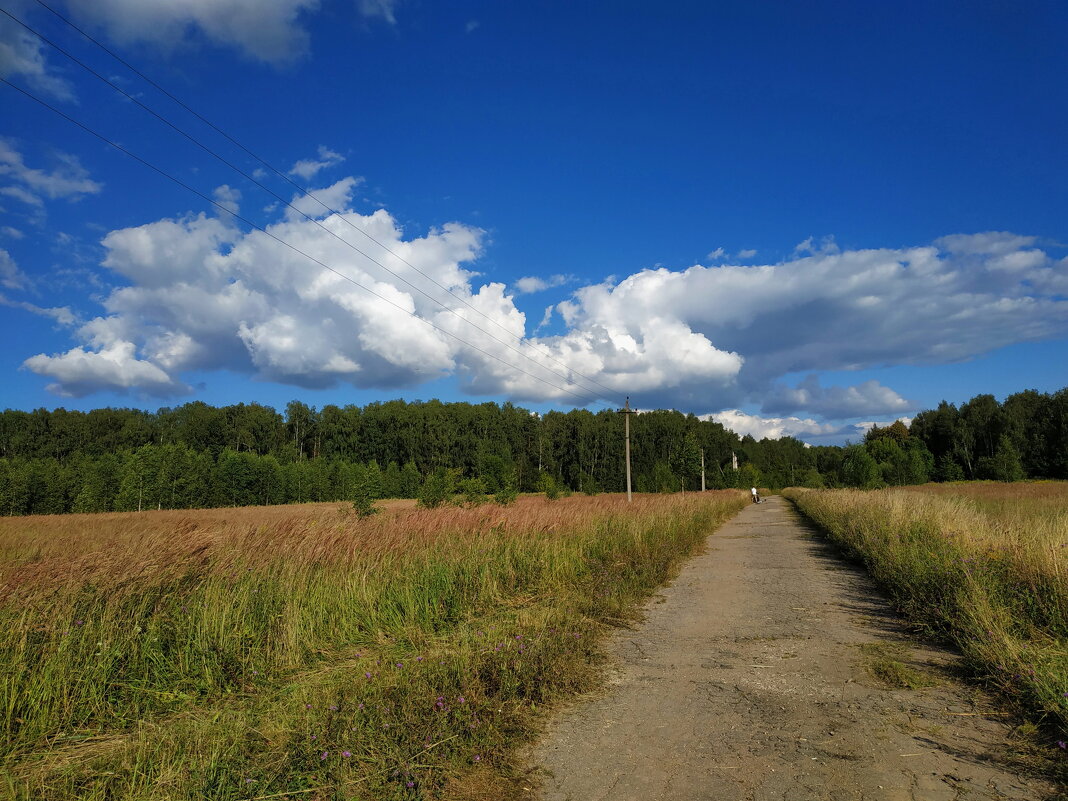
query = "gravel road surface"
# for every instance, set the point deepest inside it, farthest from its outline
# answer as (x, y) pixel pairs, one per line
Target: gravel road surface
(749, 679)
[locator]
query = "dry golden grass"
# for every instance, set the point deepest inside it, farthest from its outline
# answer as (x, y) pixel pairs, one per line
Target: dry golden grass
(193, 654)
(43, 553)
(1025, 491)
(1040, 502)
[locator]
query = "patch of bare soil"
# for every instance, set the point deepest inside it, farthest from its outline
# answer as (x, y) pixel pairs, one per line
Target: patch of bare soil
(769, 669)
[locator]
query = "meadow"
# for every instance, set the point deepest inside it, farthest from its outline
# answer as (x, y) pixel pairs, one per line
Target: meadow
(983, 565)
(307, 652)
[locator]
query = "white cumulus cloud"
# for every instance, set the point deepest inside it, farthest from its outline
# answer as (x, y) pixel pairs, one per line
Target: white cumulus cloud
(309, 168)
(22, 55)
(270, 31)
(61, 314)
(318, 202)
(533, 283)
(80, 372)
(228, 197)
(10, 274)
(68, 180)
(203, 294)
(382, 9)
(266, 30)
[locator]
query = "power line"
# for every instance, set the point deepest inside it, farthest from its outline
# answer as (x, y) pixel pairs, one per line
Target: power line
(304, 191)
(292, 247)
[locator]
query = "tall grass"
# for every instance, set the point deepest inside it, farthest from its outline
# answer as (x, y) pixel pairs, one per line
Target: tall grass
(245, 653)
(984, 565)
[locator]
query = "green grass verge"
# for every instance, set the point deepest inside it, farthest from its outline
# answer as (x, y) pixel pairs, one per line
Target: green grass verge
(993, 585)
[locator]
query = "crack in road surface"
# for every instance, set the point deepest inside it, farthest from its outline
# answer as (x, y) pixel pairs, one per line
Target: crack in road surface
(746, 681)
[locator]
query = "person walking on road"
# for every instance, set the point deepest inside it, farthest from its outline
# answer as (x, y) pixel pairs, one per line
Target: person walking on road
(756, 497)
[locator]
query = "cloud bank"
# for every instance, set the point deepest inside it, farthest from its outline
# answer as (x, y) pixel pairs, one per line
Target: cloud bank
(807, 429)
(742, 423)
(202, 294)
(867, 398)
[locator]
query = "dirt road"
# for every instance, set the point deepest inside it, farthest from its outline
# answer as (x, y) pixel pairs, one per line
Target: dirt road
(750, 679)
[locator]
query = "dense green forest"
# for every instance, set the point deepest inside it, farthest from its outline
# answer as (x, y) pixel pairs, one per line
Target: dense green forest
(197, 455)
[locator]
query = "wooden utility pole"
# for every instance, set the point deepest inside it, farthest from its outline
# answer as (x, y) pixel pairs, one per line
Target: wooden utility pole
(626, 411)
(702, 469)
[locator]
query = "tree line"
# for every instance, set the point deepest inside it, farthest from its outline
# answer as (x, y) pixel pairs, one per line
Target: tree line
(197, 455)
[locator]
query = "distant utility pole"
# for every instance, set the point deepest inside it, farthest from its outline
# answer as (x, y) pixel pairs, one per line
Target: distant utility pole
(702, 469)
(627, 412)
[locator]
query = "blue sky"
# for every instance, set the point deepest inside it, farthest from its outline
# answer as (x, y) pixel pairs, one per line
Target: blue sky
(797, 217)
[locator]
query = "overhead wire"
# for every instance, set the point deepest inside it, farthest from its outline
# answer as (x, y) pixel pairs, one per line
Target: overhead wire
(294, 248)
(306, 193)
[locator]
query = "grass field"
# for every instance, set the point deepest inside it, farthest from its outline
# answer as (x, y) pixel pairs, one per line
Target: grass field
(304, 652)
(984, 564)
